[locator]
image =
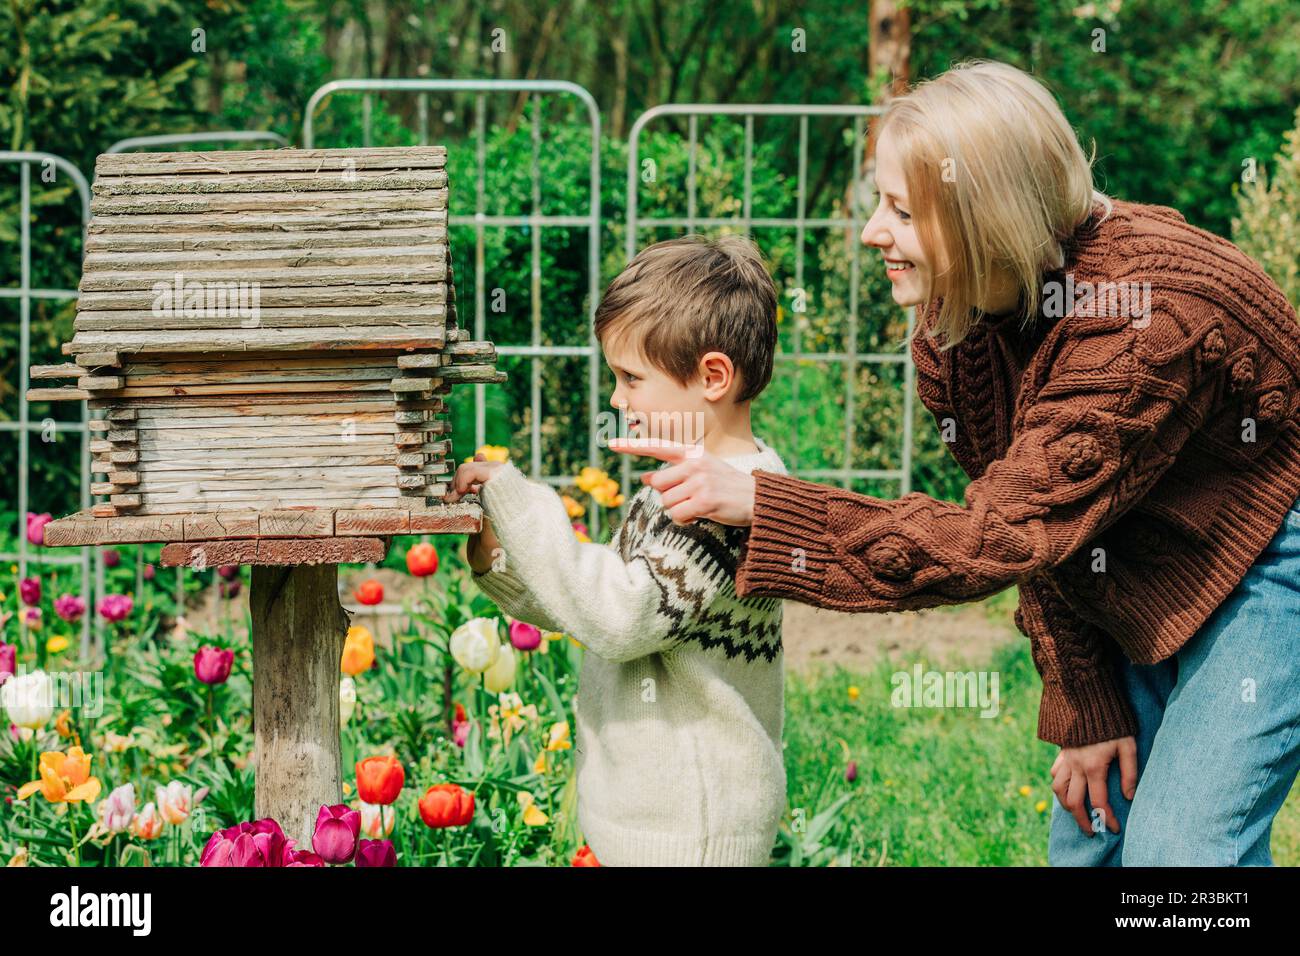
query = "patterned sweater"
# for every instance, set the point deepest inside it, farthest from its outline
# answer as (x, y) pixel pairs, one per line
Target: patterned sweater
(680, 699)
(1127, 466)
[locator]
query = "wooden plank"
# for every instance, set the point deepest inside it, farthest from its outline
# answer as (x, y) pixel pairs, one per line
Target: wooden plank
(298, 407)
(472, 350)
(201, 555)
(267, 318)
(98, 425)
(277, 160)
(272, 181)
(329, 481)
(119, 414)
(65, 394)
(336, 201)
(458, 518)
(198, 266)
(124, 457)
(82, 529)
(124, 501)
(414, 295)
(296, 524)
(258, 404)
(123, 435)
(100, 383)
(64, 370)
(385, 521)
(421, 360)
(99, 360)
(286, 500)
(165, 462)
(268, 238)
(224, 223)
(221, 524)
(380, 272)
(249, 388)
(403, 385)
(104, 510)
(455, 374)
(261, 340)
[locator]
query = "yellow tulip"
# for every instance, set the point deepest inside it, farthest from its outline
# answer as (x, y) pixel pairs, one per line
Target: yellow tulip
(62, 723)
(585, 539)
(539, 765)
(559, 736)
(574, 509)
(358, 651)
(57, 644)
(589, 478)
(533, 816)
(65, 778)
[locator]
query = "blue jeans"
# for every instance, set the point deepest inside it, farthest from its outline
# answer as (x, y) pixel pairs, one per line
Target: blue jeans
(1218, 733)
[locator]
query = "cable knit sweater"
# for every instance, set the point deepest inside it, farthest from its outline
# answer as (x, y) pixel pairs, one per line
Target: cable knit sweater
(1127, 470)
(680, 697)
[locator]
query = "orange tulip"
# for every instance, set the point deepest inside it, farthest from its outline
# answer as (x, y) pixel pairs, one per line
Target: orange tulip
(65, 778)
(380, 779)
(447, 805)
(358, 651)
(584, 857)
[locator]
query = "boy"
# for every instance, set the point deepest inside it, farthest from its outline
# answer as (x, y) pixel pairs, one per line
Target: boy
(679, 707)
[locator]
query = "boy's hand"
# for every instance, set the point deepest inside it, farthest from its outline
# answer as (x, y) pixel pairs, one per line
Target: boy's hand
(470, 477)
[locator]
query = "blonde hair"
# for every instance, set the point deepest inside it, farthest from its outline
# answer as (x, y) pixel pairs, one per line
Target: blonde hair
(685, 297)
(996, 178)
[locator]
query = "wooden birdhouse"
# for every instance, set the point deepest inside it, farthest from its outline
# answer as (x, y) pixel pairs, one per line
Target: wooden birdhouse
(266, 340)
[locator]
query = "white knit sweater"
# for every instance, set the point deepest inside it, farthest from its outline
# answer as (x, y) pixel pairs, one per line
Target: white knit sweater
(680, 700)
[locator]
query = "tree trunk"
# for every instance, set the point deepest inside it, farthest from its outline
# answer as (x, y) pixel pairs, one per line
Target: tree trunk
(298, 632)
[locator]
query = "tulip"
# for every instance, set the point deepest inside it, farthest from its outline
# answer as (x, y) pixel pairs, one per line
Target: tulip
(28, 699)
(29, 589)
(63, 724)
(212, 664)
(31, 617)
(69, 607)
(258, 844)
(56, 645)
(347, 700)
(8, 660)
(36, 527)
(524, 636)
(115, 607)
(175, 801)
(147, 824)
(358, 651)
(229, 590)
(422, 560)
(446, 805)
(376, 853)
(65, 778)
(149, 572)
(573, 508)
(371, 815)
(475, 644)
(502, 672)
(117, 810)
(533, 815)
(370, 592)
(304, 858)
(851, 771)
(380, 779)
(584, 857)
(459, 726)
(558, 737)
(228, 571)
(336, 833)
(111, 558)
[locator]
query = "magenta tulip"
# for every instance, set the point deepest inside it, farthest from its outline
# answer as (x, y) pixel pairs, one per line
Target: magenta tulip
(115, 607)
(229, 571)
(8, 661)
(260, 844)
(304, 858)
(524, 636)
(230, 589)
(69, 607)
(212, 664)
(36, 527)
(29, 589)
(111, 558)
(337, 829)
(376, 853)
(149, 572)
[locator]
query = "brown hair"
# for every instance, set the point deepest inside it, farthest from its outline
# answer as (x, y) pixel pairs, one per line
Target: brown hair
(693, 295)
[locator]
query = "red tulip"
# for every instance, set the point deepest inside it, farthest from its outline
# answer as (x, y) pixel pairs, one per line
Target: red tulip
(335, 836)
(370, 592)
(380, 779)
(446, 805)
(376, 853)
(422, 560)
(584, 857)
(212, 664)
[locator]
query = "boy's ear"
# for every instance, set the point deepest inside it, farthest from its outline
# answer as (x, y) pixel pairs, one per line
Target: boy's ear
(717, 373)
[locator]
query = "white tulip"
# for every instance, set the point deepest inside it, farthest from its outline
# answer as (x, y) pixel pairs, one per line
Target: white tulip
(475, 644)
(347, 700)
(371, 814)
(28, 699)
(502, 673)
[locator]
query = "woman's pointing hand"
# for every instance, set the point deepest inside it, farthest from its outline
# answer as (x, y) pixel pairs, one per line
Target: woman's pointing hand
(696, 484)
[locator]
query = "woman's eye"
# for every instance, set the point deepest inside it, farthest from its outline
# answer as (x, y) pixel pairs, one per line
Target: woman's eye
(902, 215)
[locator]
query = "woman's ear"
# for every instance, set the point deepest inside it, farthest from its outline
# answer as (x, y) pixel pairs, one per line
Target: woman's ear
(717, 373)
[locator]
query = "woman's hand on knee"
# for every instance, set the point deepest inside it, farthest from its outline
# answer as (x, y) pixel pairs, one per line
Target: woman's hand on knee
(1082, 771)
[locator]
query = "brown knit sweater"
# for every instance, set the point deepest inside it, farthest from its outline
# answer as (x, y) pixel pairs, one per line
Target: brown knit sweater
(1126, 471)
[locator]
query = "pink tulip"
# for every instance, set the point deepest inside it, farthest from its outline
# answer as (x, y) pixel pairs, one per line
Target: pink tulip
(337, 829)
(149, 572)
(115, 607)
(29, 589)
(258, 844)
(111, 558)
(212, 664)
(31, 616)
(376, 853)
(69, 607)
(524, 636)
(8, 661)
(304, 858)
(36, 527)
(118, 810)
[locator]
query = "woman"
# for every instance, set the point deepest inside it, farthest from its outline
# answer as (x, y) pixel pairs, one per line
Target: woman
(1134, 448)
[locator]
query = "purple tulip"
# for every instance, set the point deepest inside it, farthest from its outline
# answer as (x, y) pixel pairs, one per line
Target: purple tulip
(36, 527)
(337, 829)
(115, 607)
(111, 558)
(149, 572)
(524, 636)
(376, 853)
(212, 664)
(260, 844)
(229, 571)
(69, 607)
(8, 661)
(29, 589)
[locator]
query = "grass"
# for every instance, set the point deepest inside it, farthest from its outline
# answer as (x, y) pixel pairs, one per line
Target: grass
(936, 786)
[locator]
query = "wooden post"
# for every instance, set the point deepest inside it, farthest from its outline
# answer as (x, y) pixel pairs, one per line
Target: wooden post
(298, 632)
